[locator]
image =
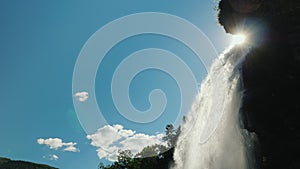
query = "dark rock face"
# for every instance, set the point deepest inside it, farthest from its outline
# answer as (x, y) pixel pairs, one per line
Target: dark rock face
(271, 76)
(6, 163)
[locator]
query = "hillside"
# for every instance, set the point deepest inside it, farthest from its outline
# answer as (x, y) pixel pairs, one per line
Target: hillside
(271, 76)
(6, 163)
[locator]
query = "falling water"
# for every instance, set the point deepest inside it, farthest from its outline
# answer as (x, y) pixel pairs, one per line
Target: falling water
(212, 136)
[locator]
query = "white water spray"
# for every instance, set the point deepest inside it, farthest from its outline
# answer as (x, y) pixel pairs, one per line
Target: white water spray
(211, 136)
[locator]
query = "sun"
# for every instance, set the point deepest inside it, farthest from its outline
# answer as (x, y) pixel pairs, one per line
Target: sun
(239, 39)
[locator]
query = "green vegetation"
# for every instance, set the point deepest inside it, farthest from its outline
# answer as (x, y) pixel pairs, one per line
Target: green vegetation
(6, 163)
(151, 157)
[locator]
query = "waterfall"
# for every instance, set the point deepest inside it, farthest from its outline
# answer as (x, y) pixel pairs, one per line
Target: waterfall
(212, 136)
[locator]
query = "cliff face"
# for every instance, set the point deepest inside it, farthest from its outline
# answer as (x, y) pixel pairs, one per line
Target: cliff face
(6, 163)
(271, 77)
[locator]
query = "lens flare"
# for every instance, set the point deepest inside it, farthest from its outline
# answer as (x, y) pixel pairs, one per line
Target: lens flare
(239, 39)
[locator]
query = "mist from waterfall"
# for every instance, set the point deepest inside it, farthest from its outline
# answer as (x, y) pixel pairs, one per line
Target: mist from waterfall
(212, 136)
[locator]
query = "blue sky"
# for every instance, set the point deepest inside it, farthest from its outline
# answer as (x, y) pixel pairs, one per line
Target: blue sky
(40, 42)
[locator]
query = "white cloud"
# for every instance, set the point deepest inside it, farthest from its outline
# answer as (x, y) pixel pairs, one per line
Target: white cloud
(105, 136)
(110, 153)
(52, 143)
(53, 157)
(137, 142)
(55, 143)
(110, 139)
(126, 133)
(71, 148)
(81, 96)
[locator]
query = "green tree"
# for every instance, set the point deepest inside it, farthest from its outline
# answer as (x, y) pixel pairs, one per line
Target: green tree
(102, 166)
(125, 158)
(151, 157)
(151, 151)
(171, 135)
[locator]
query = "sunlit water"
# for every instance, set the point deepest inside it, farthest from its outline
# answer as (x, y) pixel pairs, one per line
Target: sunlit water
(212, 136)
